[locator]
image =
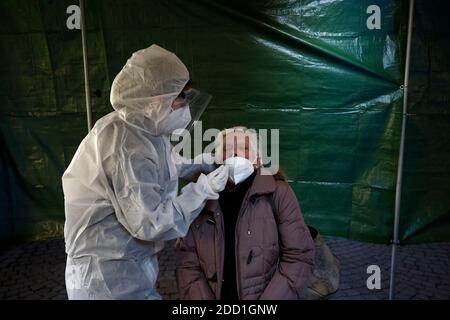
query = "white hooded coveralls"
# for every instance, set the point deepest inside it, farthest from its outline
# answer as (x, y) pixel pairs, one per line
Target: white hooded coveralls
(121, 187)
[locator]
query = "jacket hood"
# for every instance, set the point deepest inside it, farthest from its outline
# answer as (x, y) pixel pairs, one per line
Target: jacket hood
(143, 91)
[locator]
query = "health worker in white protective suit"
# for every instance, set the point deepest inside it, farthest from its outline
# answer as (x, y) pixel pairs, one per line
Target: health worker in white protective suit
(121, 188)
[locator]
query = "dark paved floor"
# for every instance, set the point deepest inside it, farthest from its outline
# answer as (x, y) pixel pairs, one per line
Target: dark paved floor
(35, 270)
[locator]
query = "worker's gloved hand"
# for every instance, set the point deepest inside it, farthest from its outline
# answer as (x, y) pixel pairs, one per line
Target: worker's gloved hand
(218, 178)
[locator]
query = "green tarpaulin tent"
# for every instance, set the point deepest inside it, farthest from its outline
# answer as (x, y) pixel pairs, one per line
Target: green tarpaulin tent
(320, 71)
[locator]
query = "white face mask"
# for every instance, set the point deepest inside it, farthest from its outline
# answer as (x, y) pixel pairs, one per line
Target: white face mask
(176, 119)
(239, 169)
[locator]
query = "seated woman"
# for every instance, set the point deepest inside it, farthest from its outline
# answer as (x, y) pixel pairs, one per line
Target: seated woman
(252, 242)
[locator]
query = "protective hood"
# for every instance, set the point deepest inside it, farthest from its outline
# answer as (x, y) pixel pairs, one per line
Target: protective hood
(145, 88)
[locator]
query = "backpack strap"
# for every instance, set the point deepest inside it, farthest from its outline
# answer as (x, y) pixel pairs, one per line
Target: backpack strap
(269, 197)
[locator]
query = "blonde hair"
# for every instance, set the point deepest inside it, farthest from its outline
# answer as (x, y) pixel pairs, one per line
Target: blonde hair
(254, 144)
(219, 141)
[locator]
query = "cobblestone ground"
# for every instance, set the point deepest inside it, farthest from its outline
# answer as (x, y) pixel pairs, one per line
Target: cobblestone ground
(35, 270)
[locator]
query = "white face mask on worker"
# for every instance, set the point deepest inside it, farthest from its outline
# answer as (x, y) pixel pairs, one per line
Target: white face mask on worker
(239, 169)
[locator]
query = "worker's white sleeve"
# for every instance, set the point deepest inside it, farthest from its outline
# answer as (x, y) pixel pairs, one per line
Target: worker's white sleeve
(188, 168)
(140, 208)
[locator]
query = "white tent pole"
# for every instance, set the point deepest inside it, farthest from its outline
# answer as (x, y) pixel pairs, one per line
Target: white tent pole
(398, 190)
(86, 69)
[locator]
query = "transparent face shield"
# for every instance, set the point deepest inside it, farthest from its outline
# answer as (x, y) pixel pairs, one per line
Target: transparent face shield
(197, 101)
